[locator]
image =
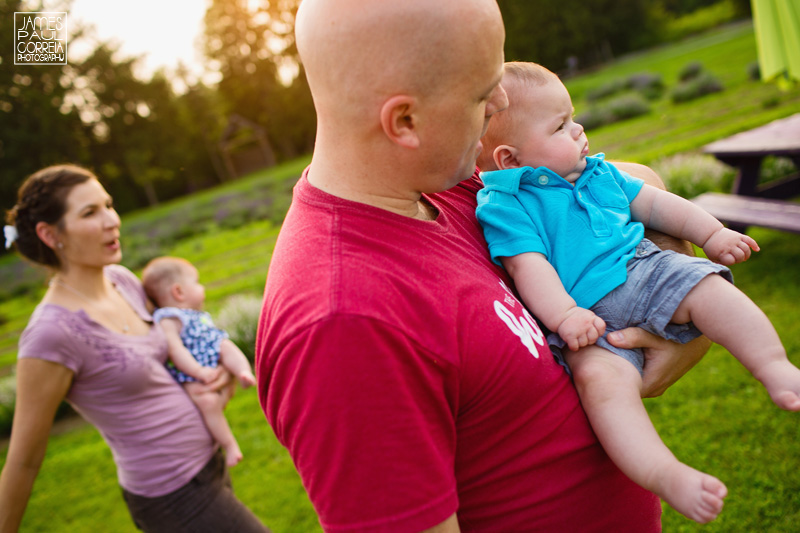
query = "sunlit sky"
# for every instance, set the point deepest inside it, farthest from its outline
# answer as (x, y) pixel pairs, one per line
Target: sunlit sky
(165, 31)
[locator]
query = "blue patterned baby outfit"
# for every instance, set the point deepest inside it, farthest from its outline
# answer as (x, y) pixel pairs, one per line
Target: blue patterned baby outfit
(198, 334)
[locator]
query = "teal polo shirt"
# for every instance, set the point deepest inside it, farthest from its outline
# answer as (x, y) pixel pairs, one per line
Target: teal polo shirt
(585, 231)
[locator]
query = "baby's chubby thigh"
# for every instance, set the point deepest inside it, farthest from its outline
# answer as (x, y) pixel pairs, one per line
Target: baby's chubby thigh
(703, 300)
(601, 376)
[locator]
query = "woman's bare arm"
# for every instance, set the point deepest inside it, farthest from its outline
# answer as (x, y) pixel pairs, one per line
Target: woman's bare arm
(41, 386)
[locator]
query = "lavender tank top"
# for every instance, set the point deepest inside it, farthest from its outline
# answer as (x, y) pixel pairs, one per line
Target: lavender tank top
(120, 385)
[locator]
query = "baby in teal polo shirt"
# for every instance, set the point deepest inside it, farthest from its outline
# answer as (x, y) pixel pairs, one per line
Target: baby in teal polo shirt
(569, 229)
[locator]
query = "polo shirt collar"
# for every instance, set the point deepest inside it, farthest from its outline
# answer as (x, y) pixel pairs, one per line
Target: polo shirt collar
(508, 180)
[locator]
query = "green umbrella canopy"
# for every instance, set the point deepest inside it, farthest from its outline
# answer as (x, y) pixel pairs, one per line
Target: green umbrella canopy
(777, 29)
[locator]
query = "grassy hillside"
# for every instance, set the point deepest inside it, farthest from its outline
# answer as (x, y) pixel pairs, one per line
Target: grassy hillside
(672, 128)
(716, 418)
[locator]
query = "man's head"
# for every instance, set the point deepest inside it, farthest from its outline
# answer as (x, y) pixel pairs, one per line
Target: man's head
(537, 128)
(413, 82)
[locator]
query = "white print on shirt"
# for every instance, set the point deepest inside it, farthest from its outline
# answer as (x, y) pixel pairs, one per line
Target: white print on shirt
(509, 297)
(524, 327)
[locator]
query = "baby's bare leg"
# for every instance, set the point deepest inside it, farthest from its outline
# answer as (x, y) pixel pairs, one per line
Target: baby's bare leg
(610, 392)
(728, 317)
(232, 358)
(211, 405)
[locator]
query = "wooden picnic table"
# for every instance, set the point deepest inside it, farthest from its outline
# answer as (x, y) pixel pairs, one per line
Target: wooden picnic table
(753, 203)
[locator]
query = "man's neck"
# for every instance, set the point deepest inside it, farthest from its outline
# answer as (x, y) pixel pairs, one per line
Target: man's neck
(376, 185)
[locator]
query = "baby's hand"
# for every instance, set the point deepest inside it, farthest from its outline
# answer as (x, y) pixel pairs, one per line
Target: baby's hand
(728, 247)
(580, 327)
(207, 374)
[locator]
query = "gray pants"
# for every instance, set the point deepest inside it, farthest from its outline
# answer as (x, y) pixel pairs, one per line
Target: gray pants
(205, 504)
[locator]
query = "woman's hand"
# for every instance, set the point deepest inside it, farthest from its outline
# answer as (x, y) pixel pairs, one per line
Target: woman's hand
(664, 361)
(222, 383)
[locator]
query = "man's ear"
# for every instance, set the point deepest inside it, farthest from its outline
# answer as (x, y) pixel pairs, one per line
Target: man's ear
(398, 120)
(47, 234)
(505, 156)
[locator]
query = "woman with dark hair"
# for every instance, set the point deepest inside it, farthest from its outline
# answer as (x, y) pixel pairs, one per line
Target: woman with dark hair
(93, 342)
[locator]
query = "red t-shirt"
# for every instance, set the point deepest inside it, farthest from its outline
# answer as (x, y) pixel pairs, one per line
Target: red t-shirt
(408, 382)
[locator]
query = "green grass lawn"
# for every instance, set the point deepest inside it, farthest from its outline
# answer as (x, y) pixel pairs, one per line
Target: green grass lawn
(77, 489)
(717, 418)
(672, 128)
(720, 420)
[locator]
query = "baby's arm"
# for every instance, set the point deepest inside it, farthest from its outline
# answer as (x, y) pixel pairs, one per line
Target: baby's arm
(540, 288)
(180, 356)
(676, 216)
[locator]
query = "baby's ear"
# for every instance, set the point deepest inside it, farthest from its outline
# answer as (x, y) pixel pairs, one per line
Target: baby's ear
(176, 292)
(505, 157)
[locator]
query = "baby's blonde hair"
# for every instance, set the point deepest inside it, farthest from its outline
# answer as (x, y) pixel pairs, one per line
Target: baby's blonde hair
(159, 275)
(517, 76)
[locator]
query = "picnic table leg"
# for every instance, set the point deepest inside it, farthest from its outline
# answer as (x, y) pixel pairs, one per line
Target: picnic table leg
(747, 177)
(741, 228)
(748, 170)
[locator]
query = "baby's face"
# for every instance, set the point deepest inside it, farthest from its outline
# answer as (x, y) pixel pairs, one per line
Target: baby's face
(545, 134)
(193, 291)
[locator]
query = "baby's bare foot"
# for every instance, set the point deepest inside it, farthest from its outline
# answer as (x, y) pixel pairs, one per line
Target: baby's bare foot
(692, 493)
(782, 381)
(247, 379)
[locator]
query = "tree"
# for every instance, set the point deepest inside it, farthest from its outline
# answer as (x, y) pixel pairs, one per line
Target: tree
(145, 141)
(550, 31)
(37, 128)
(252, 45)
(142, 140)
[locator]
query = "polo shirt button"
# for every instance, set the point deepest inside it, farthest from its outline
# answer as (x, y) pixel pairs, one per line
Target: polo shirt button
(543, 180)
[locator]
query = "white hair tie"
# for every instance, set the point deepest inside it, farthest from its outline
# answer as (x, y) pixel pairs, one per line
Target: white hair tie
(11, 235)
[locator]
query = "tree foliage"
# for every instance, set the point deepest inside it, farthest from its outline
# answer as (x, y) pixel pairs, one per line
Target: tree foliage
(252, 44)
(561, 34)
(148, 143)
(551, 31)
(33, 130)
(145, 142)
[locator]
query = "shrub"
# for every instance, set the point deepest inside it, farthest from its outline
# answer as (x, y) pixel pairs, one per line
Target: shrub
(771, 101)
(232, 220)
(594, 118)
(8, 391)
(650, 85)
(775, 168)
(138, 252)
(605, 90)
(627, 106)
(691, 174)
(703, 84)
(239, 317)
(690, 71)
(617, 109)
(754, 71)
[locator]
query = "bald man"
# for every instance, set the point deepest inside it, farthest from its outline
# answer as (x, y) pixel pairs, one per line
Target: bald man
(410, 386)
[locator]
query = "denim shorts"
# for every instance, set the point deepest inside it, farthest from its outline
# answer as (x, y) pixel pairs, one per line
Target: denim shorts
(658, 280)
